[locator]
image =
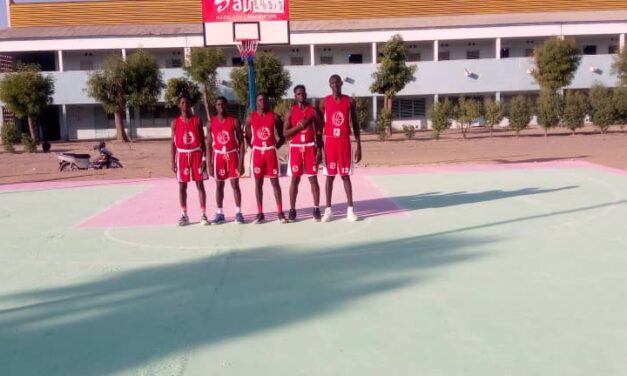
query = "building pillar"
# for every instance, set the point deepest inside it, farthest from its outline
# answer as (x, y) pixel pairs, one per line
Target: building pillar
(124, 54)
(128, 123)
(498, 48)
(621, 42)
(1, 117)
(497, 96)
(60, 60)
(187, 53)
(64, 132)
(312, 55)
(436, 98)
(436, 50)
(138, 121)
(374, 52)
(375, 112)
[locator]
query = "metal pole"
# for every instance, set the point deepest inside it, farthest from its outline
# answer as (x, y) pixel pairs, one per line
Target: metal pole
(252, 92)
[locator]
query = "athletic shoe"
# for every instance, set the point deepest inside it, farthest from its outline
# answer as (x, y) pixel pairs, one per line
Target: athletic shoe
(219, 218)
(184, 220)
(239, 218)
(204, 220)
(327, 215)
(281, 218)
(260, 218)
(350, 215)
(291, 215)
(316, 214)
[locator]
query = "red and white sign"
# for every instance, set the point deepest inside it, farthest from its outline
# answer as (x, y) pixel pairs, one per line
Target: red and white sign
(245, 10)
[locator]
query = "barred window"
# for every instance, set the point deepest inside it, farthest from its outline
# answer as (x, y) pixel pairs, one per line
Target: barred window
(408, 108)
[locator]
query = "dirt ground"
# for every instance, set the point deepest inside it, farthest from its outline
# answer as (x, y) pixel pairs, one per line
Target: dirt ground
(151, 158)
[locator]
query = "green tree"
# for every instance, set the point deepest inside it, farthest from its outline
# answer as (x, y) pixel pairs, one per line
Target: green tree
(203, 69)
(549, 107)
(519, 111)
(384, 122)
(282, 106)
(619, 66)
(494, 112)
(393, 72)
(468, 109)
(602, 107)
(178, 87)
(620, 106)
(27, 93)
(362, 109)
(135, 82)
(271, 78)
(440, 114)
(557, 61)
(575, 110)
(9, 134)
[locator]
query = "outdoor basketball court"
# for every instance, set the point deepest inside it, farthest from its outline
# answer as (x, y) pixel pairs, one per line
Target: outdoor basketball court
(454, 270)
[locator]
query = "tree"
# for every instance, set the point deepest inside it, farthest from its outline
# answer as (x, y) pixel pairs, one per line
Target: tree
(557, 61)
(602, 107)
(440, 114)
(362, 109)
(519, 113)
(393, 72)
(384, 122)
(271, 78)
(282, 106)
(620, 106)
(203, 69)
(494, 112)
(549, 106)
(27, 93)
(619, 66)
(575, 110)
(178, 87)
(135, 82)
(468, 109)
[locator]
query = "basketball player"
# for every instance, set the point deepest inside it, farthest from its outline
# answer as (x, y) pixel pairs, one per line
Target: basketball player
(225, 153)
(303, 126)
(339, 113)
(262, 129)
(188, 158)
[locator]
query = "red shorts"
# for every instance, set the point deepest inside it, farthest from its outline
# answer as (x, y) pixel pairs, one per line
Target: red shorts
(225, 165)
(189, 166)
(302, 160)
(264, 163)
(337, 156)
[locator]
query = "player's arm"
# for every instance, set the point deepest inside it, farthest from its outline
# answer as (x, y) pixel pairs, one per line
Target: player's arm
(319, 139)
(203, 145)
(209, 149)
(173, 146)
(239, 135)
(288, 131)
(356, 131)
(279, 131)
(248, 134)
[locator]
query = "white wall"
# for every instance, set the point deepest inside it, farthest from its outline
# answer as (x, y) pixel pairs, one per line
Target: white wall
(72, 59)
(88, 122)
(458, 49)
(602, 42)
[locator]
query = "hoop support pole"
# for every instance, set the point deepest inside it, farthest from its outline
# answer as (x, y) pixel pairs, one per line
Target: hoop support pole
(252, 92)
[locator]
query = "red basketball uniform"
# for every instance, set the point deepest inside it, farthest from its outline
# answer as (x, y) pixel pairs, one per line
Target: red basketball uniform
(225, 148)
(302, 157)
(188, 139)
(337, 144)
(265, 159)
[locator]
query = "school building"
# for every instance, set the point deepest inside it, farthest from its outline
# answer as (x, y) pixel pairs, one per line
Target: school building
(479, 48)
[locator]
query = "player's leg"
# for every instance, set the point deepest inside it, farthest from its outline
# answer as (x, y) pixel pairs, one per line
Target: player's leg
(329, 195)
(237, 194)
(345, 167)
(315, 193)
(259, 198)
(295, 181)
(276, 187)
(219, 218)
(184, 220)
(202, 198)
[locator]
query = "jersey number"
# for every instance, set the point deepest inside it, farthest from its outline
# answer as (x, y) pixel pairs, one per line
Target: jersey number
(336, 132)
(302, 138)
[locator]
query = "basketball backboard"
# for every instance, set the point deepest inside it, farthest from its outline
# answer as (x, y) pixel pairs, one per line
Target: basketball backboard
(228, 21)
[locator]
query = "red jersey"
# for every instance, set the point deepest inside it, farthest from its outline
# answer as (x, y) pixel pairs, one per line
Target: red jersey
(262, 129)
(187, 134)
(223, 133)
(307, 135)
(336, 117)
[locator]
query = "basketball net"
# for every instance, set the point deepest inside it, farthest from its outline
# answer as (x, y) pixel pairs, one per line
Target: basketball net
(247, 48)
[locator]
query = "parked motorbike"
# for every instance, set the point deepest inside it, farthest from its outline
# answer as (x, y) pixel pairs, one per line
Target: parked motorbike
(74, 161)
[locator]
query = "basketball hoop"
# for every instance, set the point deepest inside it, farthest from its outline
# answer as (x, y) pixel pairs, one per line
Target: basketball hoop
(247, 48)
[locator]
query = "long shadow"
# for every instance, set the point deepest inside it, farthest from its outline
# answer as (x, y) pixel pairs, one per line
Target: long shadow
(141, 316)
(538, 160)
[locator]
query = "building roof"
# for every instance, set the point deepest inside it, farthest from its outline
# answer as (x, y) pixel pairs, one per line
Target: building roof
(96, 31)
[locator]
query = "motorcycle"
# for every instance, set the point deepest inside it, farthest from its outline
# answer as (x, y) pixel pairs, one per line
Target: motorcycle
(74, 161)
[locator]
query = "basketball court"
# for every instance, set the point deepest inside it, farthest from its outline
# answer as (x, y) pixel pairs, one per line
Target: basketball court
(473, 270)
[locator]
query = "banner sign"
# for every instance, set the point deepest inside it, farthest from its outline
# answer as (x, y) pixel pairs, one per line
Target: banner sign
(245, 10)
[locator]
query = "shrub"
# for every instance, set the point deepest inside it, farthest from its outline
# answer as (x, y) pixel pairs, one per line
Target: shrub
(549, 107)
(30, 145)
(575, 109)
(409, 131)
(384, 123)
(362, 110)
(519, 113)
(494, 113)
(620, 106)
(602, 107)
(468, 109)
(10, 134)
(282, 106)
(440, 115)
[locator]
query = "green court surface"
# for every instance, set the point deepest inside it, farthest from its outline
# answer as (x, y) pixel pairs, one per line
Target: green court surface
(512, 271)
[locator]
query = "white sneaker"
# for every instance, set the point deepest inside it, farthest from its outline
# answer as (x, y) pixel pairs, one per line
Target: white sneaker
(350, 215)
(327, 215)
(204, 220)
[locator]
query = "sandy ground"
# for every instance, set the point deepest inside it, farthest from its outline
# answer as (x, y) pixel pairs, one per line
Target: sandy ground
(150, 158)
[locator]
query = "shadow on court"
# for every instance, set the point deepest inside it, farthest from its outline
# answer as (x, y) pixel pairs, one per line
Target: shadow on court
(140, 316)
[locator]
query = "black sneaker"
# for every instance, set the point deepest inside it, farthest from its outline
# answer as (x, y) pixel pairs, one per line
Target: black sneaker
(219, 218)
(291, 215)
(260, 218)
(316, 215)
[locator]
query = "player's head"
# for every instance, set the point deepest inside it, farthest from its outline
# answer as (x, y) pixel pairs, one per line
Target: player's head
(262, 101)
(335, 83)
(300, 94)
(184, 104)
(221, 104)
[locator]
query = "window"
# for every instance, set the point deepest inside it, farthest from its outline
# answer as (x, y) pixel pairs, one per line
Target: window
(296, 60)
(326, 59)
(590, 50)
(413, 56)
(237, 62)
(86, 65)
(504, 52)
(444, 55)
(472, 54)
(408, 108)
(176, 63)
(528, 52)
(355, 58)
(612, 49)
